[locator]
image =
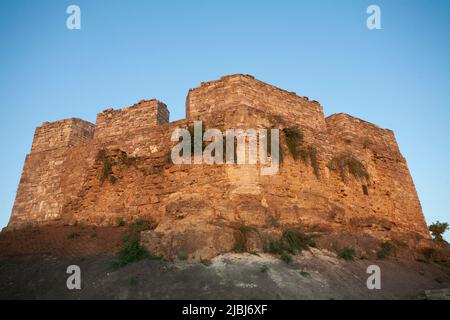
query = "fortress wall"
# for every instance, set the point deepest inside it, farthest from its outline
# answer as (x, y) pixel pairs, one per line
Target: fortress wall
(392, 194)
(361, 135)
(62, 133)
(152, 188)
(39, 196)
(64, 183)
(145, 114)
(244, 90)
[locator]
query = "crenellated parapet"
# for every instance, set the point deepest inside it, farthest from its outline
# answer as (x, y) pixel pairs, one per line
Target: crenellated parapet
(143, 115)
(245, 91)
(63, 133)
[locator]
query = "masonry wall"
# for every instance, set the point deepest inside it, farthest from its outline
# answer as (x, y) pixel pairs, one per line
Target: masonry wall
(63, 152)
(246, 91)
(392, 193)
(197, 208)
(64, 133)
(39, 196)
(145, 114)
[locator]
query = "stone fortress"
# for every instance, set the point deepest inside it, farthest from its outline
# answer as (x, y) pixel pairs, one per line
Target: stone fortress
(120, 168)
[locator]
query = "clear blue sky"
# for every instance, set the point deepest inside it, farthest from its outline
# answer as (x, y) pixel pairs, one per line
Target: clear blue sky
(397, 77)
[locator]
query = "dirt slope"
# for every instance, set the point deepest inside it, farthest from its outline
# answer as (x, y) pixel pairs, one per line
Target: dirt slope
(312, 275)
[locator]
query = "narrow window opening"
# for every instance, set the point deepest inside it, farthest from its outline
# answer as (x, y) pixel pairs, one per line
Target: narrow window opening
(365, 190)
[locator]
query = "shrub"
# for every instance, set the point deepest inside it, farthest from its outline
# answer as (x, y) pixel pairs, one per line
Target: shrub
(183, 256)
(437, 229)
(347, 254)
(132, 250)
(274, 247)
(286, 258)
(294, 137)
(296, 241)
(73, 235)
(305, 274)
(264, 268)
(346, 163)
(241, 238)
(385, 250)
(107, 166)
(206, 262)
(292, 242)
(106, 172)
(294, 140)
(120, 222)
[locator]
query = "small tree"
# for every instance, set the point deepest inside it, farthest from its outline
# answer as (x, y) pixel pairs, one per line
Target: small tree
(437, 229)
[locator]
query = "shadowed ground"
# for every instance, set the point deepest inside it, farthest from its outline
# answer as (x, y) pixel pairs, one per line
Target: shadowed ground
(33, 265)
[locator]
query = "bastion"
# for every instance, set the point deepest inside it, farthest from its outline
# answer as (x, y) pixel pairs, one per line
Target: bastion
(349, 175)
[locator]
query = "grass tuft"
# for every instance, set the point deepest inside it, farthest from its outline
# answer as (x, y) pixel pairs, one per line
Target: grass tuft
(286, 258)
(386, 250)
(296, 242)
(274, 247)
(292, 242)
(347, 254)
(120, 222)
(73, 235)
(107, 167)
(206, 262)
(305, 274)
(241, 238)
(264, 268)
(182, 256)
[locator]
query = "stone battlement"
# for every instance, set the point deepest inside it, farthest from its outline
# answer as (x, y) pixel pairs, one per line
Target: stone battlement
(244, 90)
(346, 129)
(145, 114)
(197, 208)
(63, 133)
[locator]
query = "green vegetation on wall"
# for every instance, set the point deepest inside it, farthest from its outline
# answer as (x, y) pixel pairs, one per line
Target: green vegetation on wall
(308, 154)
(346, 163)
